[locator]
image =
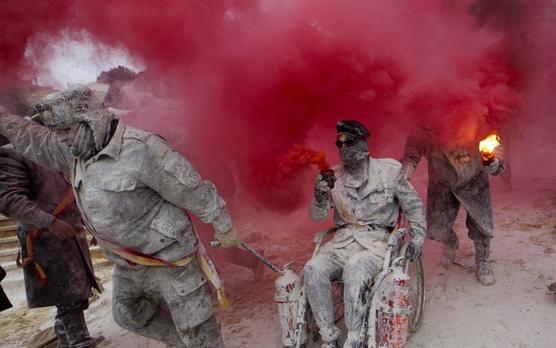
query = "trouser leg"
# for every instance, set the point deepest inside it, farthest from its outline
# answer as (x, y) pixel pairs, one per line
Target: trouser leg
(188, 299)
(187, 310)
(442, 211)
(317, 276)
(204, 335)
(484, 272)
(359, 272)
(479, 238)
(70, 326)
(134, 311)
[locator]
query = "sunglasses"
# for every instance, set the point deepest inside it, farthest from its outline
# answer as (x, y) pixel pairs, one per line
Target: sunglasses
(348, 142)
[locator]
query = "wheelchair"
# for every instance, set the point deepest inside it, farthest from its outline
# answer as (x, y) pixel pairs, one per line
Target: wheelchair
(394, 306)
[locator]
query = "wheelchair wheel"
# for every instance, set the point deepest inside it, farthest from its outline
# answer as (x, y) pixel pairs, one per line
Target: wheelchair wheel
(417, 293)
(338, 300)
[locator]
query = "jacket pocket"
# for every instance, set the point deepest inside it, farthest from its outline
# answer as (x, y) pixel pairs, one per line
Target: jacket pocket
(187, 279)
(116, 184)
(173, 223)
(102, 190)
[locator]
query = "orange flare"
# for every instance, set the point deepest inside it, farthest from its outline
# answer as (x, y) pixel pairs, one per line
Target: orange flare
(488, 145)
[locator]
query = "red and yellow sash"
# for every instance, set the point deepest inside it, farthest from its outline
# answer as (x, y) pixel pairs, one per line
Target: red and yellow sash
(136, 257)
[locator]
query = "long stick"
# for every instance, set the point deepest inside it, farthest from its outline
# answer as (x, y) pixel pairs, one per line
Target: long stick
(255, 253)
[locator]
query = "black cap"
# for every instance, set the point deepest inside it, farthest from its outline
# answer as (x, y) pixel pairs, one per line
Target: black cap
(352, 127)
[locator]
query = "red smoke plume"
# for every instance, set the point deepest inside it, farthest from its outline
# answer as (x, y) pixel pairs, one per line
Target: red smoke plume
(257, 77)
(272, 177)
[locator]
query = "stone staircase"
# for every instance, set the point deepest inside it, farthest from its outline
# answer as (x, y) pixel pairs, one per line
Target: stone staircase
(9, 247)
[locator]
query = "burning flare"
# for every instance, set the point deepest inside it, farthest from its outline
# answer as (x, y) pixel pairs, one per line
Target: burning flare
(488, 145)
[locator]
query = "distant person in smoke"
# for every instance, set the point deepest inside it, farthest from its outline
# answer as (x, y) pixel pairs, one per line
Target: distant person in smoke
(366, 198)
(132, 189)
(57, 266)
(458, 176)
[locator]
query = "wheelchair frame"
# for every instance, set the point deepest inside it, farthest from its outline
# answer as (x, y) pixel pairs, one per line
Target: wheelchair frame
(395, 257)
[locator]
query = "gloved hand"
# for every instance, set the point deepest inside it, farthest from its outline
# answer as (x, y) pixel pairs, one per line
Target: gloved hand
(62, 229)
(414, 249)
(493, 165)
(228, 239)
(322, 190)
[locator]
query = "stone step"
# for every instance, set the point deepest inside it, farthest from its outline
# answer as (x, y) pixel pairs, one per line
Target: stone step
(8, 254)
(9, 227)
(7, 234)
(3, 218)
(96, 252)
(6, 223)
(9, 242)
(9, 266)
(8, 231)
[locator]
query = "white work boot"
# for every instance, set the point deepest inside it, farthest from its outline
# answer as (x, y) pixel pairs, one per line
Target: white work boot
(449, 253)
(485, 275)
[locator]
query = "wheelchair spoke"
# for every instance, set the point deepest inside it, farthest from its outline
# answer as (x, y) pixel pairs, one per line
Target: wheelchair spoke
(338, 300)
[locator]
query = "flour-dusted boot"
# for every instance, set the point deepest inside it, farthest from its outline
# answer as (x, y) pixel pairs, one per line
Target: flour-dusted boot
(449, 253)
(485, 275)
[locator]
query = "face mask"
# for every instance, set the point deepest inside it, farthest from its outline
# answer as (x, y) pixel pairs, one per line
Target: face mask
(83, 145)
(352, 155)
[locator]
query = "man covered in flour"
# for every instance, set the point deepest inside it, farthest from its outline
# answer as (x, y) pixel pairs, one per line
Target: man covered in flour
(366, 199)
(132, 189)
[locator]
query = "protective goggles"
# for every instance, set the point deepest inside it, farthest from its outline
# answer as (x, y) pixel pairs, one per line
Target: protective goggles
(344, 140)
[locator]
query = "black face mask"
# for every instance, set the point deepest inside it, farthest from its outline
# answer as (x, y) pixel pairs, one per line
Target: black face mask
(353, 154)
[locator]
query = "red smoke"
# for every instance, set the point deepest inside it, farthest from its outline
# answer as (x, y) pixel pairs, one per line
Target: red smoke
(270, 178)
(255, 78)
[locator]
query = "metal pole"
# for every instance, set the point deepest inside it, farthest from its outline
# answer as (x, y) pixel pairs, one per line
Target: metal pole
(255, 253)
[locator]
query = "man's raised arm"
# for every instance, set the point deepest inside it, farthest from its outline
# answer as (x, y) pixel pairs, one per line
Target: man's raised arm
(35, 142)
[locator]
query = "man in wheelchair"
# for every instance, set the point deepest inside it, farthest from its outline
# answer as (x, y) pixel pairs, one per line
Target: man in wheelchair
(366, 196)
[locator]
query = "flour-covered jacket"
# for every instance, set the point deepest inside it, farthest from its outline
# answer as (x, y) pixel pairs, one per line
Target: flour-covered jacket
(367, 213)
(453, 169)
(133, 192)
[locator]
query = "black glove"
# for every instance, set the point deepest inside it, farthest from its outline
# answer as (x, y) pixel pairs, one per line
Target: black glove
(322, 190)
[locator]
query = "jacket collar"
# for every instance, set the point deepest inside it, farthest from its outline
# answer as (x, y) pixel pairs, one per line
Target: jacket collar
(114, 146)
